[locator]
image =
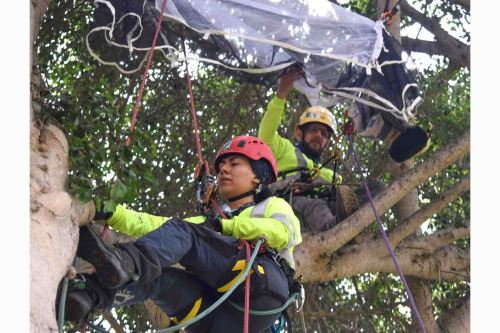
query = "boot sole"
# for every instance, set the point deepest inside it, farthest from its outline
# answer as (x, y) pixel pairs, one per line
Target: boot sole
(109, 270)
(347, 203)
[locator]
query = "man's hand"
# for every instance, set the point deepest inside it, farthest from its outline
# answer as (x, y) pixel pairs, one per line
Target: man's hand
(287, 80)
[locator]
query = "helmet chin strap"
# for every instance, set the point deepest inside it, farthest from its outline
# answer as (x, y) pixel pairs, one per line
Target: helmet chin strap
(246, 194)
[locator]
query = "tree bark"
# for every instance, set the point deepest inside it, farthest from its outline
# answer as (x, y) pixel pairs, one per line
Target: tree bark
(368, 254)
(55, 215)
(421, 292)
(457, 320)
(328, 242)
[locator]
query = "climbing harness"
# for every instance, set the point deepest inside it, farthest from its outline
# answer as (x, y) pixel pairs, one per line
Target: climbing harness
(349, 131)
(224, 297)
(281, 325)
(297, 292)
(204, 187)
(303, 179)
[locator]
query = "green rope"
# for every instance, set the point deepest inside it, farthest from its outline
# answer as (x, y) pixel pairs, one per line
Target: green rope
(268, 312)
(220, 300)
(62, 301)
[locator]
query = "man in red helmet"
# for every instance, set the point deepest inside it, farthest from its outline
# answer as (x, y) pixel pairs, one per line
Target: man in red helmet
(207, 246)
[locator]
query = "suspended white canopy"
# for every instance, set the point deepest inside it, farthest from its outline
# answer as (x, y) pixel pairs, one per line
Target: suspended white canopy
(260, 36)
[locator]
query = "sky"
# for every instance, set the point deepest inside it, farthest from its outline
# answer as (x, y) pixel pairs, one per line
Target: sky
(14, 141)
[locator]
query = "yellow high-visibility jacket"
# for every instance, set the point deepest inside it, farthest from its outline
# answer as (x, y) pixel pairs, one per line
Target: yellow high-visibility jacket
(272, 219)
(288, 157)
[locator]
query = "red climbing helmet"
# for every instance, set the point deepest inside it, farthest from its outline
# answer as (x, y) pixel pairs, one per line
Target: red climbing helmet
(250, 147)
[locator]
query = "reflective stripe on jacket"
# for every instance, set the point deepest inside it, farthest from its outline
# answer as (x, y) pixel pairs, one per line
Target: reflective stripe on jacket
(287, 155)
(272, 219)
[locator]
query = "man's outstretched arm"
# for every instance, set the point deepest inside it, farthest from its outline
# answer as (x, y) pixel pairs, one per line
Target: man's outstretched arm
(268, 128)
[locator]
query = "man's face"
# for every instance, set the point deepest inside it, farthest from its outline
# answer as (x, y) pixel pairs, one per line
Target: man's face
(316, 137)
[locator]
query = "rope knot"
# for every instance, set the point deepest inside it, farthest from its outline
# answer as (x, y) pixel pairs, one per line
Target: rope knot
(348, 128)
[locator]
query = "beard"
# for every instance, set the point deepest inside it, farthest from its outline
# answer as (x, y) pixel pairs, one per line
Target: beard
(312, 154)
(315, 147)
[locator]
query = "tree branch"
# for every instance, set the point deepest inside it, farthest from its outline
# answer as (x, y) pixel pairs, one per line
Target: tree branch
(112, 321)
(420, 45)
(422, 295)
(409, 225)
(82, 213)
(438, 239)
(318, 246)
(450, 263)
(454, 49)
(463, 3)
(159, 318)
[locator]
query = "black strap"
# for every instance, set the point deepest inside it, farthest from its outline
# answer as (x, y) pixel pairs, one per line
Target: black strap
(241, 196)
(284, 174)
(394, 9)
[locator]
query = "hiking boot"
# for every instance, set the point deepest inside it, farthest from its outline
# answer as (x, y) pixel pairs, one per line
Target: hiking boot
(78, 305)
(114, 266)
(346, 202)
(80, 299)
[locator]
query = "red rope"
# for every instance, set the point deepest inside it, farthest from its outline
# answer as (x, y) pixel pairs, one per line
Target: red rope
(84, 325)
(246, 319)
(193, 112)
(217, 208)
(145, 75)
(196, 132)
(104, 233)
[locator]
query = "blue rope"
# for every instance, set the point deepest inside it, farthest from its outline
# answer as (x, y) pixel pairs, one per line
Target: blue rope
(268, 312)
(62, 302)
(384, 235)
(220, 300)
(281, 324)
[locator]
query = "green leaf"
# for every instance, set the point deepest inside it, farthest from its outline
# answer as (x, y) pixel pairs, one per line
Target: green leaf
(109, 206)
(118, 192)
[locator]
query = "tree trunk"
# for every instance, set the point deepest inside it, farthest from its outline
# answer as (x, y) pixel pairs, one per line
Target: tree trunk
(457, 320)
(421, 292)
(409, 205)
(55, 216)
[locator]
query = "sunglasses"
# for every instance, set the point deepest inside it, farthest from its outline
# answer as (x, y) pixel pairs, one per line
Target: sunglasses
(324, 131)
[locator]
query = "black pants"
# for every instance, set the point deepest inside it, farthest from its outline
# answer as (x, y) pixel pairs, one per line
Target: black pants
(212, 262)
(318, 214)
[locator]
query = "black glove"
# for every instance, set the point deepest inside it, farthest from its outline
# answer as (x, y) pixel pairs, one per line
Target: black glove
(101, 213)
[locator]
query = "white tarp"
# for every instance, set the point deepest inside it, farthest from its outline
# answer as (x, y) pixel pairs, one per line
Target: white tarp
(255, 37)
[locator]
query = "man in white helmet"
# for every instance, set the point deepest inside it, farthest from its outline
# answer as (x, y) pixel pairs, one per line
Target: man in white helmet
(320, 208)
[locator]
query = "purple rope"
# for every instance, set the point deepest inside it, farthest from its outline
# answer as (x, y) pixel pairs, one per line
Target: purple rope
(389, 247)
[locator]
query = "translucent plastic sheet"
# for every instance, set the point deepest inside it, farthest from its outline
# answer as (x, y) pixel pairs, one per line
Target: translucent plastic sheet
(257, 40)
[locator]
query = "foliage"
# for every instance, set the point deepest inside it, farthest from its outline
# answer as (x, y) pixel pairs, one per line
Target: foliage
(93, 105)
